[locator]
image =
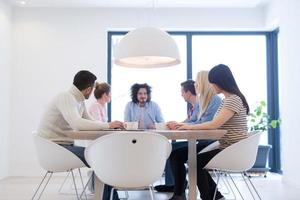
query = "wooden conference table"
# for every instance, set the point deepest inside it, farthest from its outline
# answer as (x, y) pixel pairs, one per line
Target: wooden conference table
(190, 135)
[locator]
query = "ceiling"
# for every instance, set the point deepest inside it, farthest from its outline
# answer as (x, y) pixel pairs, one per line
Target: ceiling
(141, 3)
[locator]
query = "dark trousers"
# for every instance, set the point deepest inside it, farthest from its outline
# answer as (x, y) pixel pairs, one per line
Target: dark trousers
(79, 152)
(169, 179)
(178, 158)
(205, 183)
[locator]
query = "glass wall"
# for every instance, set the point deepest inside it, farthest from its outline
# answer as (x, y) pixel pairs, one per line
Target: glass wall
(250, 55)
(246, 57)
(165, 83)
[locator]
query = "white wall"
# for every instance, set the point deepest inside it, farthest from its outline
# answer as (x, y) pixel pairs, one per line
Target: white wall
(286, 15)
(5, 76)
(50, 45)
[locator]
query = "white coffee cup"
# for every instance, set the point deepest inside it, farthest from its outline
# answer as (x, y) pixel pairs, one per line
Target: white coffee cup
(131, 125)
(161, 126)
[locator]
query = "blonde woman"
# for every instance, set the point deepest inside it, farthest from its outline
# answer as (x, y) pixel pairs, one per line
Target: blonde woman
(208, 105)
(103, 96)
(208, 101)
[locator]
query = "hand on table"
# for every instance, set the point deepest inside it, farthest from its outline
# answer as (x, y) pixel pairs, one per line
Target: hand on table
(184, 127)
(173, 125)
(116, 124)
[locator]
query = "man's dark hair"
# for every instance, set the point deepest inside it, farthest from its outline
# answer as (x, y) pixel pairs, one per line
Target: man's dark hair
(189, 85)
(84, 79)
(135, 89)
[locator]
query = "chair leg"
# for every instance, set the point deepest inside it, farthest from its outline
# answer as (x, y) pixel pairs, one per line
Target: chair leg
(230, 186)
(236, 186)
(253, 187)
(86, 185)
(51, 173)
(126, 194)
(151, 192)
(112, 193)
(222, 179)
(225, 184)
(73, 177)
(36, 191)
(82, 184)
(218, 178)
(248, 186)
(62, 185)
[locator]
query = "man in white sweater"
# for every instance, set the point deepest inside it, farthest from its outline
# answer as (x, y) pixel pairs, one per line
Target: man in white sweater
(68, 112)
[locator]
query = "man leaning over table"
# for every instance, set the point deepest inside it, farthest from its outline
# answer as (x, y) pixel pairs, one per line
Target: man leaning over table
(67, 112)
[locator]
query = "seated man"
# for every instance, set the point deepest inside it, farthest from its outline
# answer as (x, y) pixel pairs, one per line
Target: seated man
(204, 104)
(68, 112)
(188, 93)
(141, 109)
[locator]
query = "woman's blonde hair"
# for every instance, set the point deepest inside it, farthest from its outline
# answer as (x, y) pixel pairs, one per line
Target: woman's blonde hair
(204, 91)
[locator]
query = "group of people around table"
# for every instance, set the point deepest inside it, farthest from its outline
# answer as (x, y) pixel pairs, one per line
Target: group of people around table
(207, 110)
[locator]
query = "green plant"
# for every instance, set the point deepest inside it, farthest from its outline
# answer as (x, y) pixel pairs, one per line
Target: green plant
(259, 120)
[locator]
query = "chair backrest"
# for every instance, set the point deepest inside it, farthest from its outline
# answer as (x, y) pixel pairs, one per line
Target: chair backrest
(210, 147)
(129, 160)
(238, 157)
(53, 157)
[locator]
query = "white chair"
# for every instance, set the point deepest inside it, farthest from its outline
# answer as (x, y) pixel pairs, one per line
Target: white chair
(210, 147)
(129, 160)
(237, 158)
(55, 158)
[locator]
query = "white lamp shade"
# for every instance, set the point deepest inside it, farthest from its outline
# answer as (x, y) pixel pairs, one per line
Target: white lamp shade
(147, 48)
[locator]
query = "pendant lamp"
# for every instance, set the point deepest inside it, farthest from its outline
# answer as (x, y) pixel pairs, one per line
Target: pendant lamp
(147, 47)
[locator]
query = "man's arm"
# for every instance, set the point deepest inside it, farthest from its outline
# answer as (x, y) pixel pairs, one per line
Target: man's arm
(127, 112)
(223, 116)
(68, 107)
(158, 114)
(86, 114)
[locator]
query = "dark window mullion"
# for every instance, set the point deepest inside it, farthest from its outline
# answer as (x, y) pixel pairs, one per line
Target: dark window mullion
(109, 68)
(189, 56)
(273, 99)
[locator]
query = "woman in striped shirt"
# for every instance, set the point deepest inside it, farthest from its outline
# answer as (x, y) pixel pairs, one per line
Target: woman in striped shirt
(231, 116)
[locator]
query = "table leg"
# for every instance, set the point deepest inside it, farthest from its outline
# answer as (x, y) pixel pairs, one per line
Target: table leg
(192, 163)
(99, 187)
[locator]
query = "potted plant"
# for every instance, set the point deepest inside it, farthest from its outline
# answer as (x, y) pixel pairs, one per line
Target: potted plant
(259, 120)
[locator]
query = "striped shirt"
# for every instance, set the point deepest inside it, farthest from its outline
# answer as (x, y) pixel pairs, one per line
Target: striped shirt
(236, 126)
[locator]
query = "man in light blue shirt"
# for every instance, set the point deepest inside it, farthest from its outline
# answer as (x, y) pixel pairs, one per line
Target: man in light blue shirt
(141, 109)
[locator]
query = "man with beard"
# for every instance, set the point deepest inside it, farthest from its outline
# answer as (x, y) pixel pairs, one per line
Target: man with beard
(68, 112)
(141, 109)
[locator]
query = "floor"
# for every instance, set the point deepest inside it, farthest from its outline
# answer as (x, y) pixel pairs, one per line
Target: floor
(21, 188)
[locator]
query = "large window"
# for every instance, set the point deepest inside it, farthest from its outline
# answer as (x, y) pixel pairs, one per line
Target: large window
(165, 83)
(246, 57)
(249, 55)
